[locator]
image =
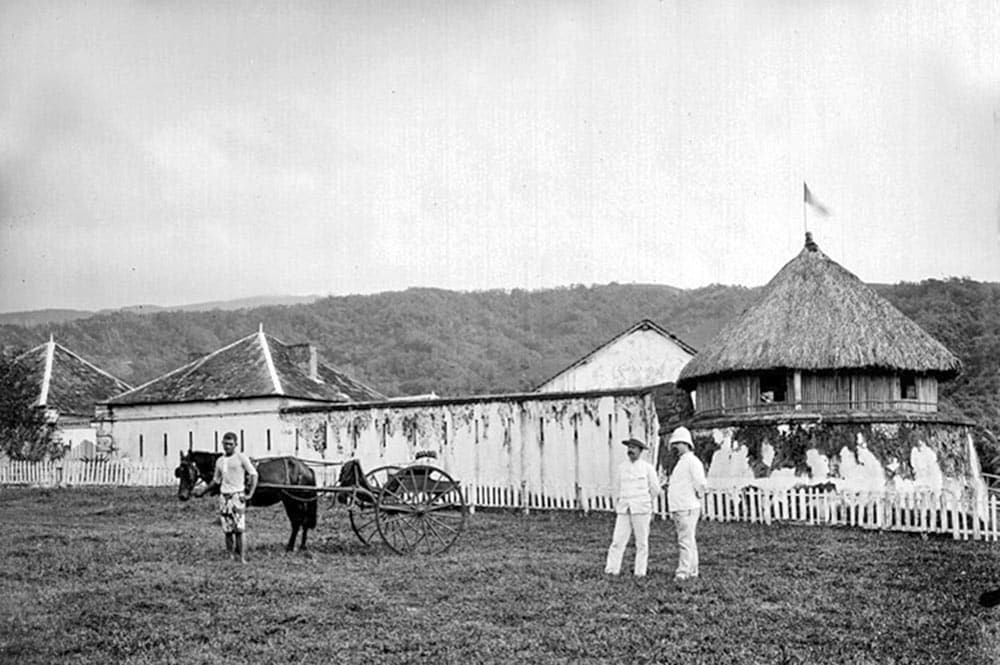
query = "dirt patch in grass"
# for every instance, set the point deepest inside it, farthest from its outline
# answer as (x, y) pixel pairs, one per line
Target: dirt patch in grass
(103, 575)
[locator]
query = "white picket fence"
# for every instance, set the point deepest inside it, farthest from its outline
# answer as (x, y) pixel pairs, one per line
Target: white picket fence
(62, 473)
(961, 516)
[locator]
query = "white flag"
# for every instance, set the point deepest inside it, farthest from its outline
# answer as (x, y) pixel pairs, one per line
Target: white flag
(811, 200)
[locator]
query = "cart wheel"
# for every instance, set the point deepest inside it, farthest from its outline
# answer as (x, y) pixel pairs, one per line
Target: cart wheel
(361, 509)
(420, 509)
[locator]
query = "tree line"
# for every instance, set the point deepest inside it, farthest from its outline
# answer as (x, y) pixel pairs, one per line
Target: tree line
(426, 340)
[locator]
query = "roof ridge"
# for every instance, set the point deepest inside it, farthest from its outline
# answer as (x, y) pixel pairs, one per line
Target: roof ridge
(92, 365)
(193, 364)
(271, 369)
(50, 352)
(30, 351)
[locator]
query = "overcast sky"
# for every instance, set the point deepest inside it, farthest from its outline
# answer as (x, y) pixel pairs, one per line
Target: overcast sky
(179, 152)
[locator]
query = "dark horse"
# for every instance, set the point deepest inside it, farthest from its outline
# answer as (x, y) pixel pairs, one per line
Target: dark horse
(300, 505)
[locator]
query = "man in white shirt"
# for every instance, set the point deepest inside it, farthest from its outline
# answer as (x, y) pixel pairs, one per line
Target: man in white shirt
(234, 474)
(636, 489)
(685, 488)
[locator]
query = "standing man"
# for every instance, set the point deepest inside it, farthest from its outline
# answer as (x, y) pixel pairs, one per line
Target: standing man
(234, 473)
(686, 486)
(636, 489)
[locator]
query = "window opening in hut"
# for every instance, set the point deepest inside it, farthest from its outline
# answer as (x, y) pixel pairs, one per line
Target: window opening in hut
(773, 388)
(908, 386)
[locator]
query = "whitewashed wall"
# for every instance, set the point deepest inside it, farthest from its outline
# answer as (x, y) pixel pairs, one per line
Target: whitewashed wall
(862, 472)
(559, 445)
(78, 439)
(168, 429)
(642, 358)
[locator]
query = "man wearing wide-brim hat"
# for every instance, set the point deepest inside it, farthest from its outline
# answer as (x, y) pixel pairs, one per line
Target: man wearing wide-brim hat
(685, 488)
(636, 489)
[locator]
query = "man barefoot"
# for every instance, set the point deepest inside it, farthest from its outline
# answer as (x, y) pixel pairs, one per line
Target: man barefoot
(233, 473)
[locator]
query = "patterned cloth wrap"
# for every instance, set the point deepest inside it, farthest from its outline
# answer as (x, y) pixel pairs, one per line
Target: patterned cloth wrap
(233, 512)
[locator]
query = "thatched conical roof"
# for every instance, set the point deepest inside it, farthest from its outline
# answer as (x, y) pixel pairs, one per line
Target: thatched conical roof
(815, 315)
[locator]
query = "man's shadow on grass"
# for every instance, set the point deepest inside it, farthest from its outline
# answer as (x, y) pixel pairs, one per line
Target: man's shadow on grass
(990, 598)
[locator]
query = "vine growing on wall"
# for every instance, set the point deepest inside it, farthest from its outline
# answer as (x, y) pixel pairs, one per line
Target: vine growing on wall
(704, 447)
(462, 414)
(890, 443)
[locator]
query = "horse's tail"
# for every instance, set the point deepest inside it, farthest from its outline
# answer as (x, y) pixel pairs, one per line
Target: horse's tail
(311, 514)
(311, 506)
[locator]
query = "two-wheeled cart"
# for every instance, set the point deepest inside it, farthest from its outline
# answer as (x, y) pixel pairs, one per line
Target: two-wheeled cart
(413, 508)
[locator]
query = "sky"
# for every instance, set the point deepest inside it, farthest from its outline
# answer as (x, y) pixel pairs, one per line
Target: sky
(179, 152)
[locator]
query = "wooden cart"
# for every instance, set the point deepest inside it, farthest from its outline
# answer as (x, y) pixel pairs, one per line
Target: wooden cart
(414, 508)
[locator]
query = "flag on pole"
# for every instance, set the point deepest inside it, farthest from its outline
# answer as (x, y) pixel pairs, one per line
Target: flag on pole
(811, 200)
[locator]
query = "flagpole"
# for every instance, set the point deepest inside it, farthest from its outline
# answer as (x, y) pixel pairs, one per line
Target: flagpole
(805, 226)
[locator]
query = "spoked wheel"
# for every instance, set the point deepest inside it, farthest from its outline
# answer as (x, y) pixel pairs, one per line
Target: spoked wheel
(420, 509)
(361, 510)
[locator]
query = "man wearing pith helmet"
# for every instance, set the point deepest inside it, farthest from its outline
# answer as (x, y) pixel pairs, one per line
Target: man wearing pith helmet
(636, 489)
(685, 488)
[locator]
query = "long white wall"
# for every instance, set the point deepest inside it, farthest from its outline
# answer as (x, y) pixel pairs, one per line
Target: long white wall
(553, 444)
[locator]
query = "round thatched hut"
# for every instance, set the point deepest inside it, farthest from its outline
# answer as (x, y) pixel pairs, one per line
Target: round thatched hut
(825, 380)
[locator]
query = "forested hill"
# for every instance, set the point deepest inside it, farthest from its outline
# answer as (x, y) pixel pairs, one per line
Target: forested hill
(430, 340)
(408, 342)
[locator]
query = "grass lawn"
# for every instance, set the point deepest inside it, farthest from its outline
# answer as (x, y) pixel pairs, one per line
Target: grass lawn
(134, 576)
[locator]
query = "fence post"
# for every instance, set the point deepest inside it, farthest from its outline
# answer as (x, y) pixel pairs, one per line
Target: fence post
(470, 500)
(955, 533)
(524, 497)
(974, 516)
(991, 517)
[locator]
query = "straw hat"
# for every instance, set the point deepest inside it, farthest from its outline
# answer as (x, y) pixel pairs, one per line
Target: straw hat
(635, 442)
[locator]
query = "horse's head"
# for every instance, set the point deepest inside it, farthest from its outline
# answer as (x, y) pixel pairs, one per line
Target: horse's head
(188, 474)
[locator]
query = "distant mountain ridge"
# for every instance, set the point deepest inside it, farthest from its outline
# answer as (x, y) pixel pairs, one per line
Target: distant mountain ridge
(42, 316)
(47, 316)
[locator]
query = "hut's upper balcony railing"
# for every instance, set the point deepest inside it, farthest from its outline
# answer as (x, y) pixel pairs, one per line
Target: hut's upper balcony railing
(840, 407)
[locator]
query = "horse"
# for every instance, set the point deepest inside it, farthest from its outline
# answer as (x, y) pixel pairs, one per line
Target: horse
(300, 505)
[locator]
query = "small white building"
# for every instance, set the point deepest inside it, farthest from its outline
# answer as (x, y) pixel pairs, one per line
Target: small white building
(67, 388)
(643, 355)
(241, 388)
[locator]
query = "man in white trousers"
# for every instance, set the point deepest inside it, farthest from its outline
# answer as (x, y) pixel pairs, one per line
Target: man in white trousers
(685, 488)
(636, 489)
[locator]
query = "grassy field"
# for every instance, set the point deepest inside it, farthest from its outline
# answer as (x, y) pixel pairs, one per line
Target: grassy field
(134, 576)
